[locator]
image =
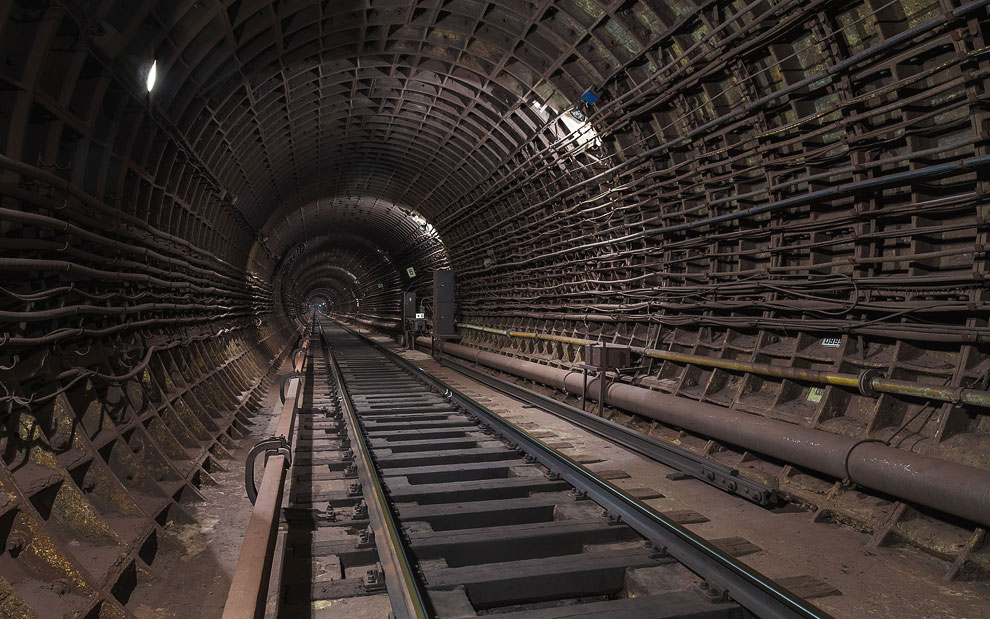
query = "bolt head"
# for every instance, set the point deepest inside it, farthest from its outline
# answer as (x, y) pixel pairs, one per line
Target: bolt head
(15, 543)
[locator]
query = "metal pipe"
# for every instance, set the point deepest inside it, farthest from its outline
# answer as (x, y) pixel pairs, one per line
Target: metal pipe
(946, 486)
(249, 585)
(830, 192)
(879, 384)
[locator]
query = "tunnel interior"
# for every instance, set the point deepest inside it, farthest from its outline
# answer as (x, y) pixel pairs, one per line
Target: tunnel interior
(799, 186)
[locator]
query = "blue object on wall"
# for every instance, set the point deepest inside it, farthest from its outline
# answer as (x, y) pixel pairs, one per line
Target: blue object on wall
(590, 97)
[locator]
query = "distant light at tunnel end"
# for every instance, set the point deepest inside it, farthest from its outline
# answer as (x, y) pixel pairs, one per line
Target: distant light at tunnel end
(149, 81)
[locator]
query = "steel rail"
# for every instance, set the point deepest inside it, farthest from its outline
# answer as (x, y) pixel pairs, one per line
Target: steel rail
(724, 575)
(714, 473)
(404, 591)
(249, 585)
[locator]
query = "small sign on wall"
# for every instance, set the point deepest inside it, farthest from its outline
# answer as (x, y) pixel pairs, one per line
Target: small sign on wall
(411, 271)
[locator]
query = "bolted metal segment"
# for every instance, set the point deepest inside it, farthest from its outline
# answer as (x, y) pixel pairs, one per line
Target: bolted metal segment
(366, 538)
(374, 579)
(16, 542)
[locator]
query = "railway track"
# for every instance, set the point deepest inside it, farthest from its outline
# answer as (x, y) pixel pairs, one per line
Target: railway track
(401, 486)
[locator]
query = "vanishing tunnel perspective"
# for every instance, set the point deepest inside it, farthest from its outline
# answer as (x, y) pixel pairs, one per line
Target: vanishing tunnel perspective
(457, 308)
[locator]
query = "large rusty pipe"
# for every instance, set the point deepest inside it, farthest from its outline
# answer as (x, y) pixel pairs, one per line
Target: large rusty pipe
(946, 486)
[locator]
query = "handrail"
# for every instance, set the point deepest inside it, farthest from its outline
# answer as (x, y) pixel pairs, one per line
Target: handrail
(248, 591)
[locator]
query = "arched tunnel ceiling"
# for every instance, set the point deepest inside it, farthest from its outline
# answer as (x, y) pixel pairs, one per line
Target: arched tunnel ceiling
(307, 112)
(396, 232)
(415, 103)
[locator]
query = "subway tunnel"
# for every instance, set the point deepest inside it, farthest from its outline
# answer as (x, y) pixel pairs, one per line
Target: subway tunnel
(752, 234)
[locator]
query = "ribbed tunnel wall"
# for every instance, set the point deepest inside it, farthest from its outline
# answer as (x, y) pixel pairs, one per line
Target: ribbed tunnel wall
(800, 184)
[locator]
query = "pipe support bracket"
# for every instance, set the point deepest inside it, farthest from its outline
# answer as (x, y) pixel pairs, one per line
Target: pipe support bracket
(271, 446)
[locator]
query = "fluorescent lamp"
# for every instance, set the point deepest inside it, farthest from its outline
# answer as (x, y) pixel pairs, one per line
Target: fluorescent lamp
(149, 82)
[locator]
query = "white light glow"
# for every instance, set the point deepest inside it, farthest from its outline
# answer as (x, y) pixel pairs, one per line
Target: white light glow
(149, 83)
(581, 134)
(424, 225)
(584, 133)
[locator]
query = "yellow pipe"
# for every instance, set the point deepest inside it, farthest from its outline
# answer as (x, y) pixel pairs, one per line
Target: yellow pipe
(878, 384)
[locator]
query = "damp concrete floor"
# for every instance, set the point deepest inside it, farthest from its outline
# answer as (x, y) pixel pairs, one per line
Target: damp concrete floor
(200, 556)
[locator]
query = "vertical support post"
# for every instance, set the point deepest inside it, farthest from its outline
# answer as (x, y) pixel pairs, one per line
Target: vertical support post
(602, 377)
(584, 386)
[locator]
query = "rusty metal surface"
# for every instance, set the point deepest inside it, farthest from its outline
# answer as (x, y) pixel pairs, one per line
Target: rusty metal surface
(760, 192)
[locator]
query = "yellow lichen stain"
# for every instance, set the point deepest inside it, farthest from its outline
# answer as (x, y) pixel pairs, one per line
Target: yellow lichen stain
(27, 428)
(128, 464)
(12, 606)
(109, 611)
(42, 547)
(45, 458)
(71, 510)
(64, 418)
(919, 11)
(112, 493)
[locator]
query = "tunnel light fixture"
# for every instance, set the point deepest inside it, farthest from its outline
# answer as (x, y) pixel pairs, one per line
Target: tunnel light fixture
(152, 77)
(576, 127)
(424, 225)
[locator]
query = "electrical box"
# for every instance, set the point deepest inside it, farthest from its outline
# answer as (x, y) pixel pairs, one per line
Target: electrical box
(409, 305)
(443, 303)
(607, 356)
